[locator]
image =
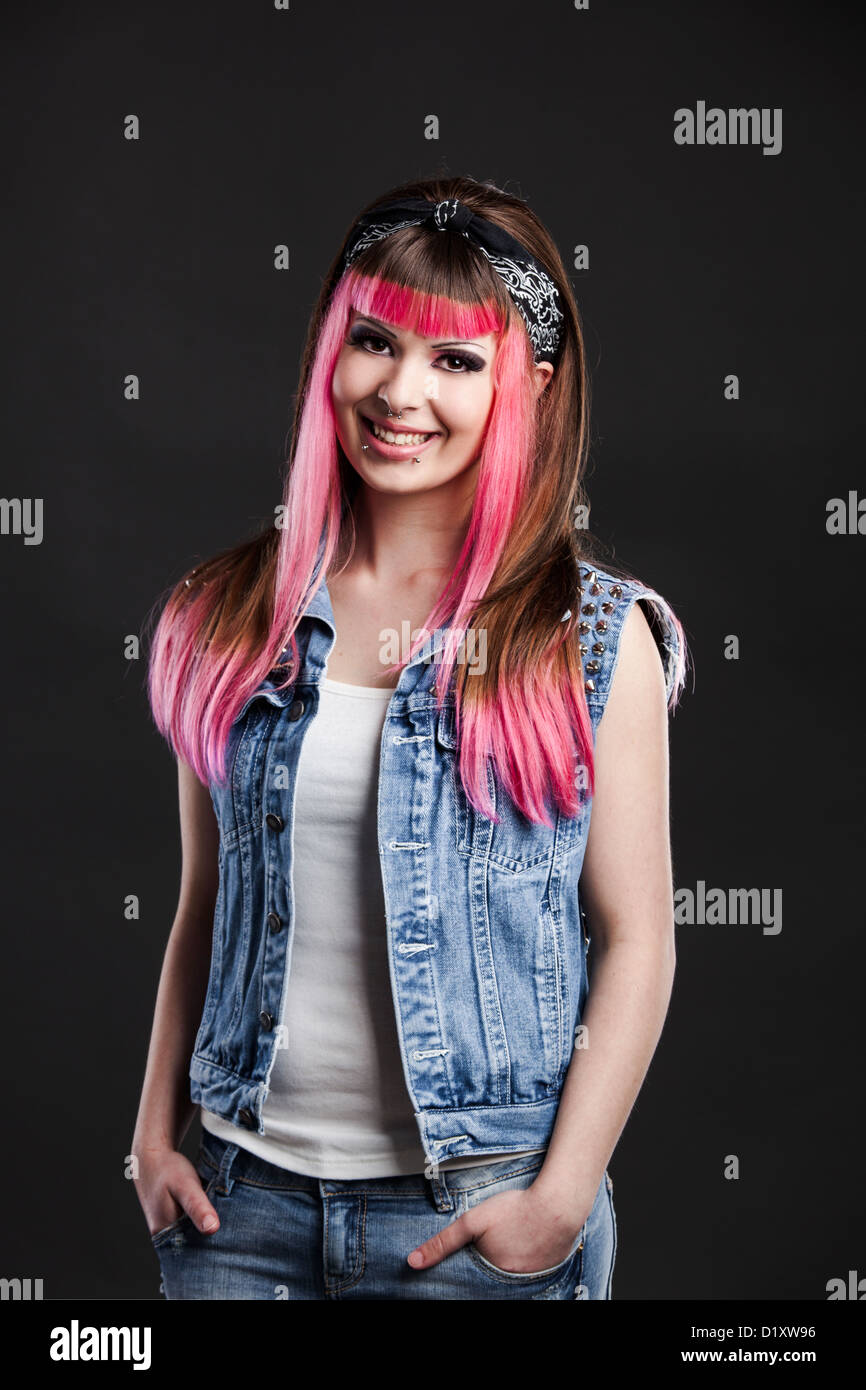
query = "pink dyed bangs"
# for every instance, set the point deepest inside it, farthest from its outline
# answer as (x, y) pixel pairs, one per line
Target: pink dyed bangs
(430, 315)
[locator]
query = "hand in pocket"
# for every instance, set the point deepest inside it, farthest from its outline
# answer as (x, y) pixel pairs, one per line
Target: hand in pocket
(169, 1188)
(515, 1231)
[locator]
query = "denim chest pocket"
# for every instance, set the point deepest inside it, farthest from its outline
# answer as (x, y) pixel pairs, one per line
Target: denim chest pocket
(513, 844)
(240, 802)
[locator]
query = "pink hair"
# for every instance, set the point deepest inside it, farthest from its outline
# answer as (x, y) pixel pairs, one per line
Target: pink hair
(195, 695)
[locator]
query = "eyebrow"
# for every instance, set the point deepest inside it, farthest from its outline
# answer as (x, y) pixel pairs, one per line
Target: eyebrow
(452, 342)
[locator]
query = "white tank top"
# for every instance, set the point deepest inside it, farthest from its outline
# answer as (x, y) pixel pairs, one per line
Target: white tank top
(338, 1106)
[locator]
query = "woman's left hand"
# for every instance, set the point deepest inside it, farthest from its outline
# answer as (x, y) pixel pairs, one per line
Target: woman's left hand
(521, 1232)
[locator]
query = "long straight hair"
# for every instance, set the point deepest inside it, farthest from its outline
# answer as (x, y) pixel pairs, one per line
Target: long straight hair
(225, 623)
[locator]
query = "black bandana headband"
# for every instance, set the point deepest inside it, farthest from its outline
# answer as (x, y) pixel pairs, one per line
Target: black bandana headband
(531, 288)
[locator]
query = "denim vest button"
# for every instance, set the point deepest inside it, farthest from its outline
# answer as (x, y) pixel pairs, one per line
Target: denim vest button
(274, 921)
(296, 709)
(247, 1118)
(274, 821)
(265, 1019)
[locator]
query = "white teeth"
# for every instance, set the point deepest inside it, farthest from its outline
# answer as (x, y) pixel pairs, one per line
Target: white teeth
(389, 437)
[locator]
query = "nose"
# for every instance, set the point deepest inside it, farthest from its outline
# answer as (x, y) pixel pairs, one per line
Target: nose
(404, 388)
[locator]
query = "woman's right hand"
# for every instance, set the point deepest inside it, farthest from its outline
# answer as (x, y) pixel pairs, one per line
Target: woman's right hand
(169, 1186)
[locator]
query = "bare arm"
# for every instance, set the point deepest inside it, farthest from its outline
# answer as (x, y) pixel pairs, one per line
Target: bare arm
(627, 887)
(167, 1179)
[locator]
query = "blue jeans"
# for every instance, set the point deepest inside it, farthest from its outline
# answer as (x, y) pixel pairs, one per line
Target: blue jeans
(286, 1236)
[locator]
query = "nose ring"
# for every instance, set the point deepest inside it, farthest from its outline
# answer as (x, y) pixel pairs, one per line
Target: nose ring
(399, 416)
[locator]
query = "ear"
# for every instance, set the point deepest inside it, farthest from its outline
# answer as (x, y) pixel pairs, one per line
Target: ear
(543, 373)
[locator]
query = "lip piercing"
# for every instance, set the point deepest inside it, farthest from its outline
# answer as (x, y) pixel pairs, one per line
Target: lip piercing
(365, 447)
(399, 416)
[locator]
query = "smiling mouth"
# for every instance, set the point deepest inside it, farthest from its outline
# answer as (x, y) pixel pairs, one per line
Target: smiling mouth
(401, 438)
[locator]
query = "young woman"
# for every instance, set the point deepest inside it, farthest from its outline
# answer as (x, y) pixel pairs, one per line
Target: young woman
(393, 712)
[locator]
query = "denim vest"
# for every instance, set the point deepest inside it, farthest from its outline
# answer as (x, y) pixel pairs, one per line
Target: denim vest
(485, 930)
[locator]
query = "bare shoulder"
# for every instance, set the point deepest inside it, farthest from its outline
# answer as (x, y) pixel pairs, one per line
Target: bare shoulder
(199, 834)
(638, 685)
(626, 875)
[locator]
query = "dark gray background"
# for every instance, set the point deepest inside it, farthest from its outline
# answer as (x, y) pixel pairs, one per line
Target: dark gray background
(155, 257)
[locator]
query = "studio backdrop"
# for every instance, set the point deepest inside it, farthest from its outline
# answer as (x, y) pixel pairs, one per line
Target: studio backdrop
(178, 180)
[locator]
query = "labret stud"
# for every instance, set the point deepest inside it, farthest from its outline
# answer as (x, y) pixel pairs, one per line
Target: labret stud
(365, 447)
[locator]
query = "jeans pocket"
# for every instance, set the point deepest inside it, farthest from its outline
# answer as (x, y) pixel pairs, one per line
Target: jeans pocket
(160, 1235)
(208, 1181)
(535, 1276)
(489, 1186)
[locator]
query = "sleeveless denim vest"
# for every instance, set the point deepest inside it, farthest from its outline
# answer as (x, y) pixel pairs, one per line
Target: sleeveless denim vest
(485, 930)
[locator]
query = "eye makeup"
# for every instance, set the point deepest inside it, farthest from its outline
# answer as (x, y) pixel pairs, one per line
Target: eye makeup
(360, 335)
